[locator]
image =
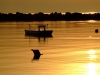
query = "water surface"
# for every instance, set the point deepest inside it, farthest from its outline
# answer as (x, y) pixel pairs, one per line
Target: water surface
(74, 49)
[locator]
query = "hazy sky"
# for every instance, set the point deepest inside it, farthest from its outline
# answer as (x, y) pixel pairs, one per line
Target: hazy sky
(48, 6)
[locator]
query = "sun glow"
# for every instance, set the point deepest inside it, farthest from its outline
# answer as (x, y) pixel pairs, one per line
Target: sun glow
(91, 21)
(89, 12)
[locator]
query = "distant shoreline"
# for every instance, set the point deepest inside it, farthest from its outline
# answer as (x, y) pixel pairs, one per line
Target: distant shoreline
(40, 16)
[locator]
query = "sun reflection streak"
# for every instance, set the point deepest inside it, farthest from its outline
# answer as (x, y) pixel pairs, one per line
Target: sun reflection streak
(92, 69)
(92, 55)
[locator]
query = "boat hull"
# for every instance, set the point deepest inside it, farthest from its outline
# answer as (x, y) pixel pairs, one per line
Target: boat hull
(38, 33)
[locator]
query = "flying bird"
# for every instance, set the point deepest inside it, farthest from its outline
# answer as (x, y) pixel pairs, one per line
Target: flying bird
(37, 54)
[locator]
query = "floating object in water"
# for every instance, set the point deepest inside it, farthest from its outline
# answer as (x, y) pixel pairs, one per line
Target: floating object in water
(96, 30)
(37, 54)
(41, 31)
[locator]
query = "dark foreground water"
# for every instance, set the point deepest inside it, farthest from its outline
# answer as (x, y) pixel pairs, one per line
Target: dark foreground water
(74, 49)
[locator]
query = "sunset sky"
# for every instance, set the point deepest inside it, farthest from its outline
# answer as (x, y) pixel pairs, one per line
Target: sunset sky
(48, 6)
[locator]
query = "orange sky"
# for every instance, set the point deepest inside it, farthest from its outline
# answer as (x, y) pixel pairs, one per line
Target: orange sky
(34, 6)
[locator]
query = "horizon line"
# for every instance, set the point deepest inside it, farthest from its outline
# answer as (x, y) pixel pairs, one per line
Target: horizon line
(57, 12)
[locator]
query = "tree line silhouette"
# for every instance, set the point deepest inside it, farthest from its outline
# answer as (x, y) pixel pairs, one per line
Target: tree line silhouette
(40, 16)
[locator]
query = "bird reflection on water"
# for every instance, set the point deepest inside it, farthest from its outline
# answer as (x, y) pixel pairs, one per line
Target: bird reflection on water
(36, 52)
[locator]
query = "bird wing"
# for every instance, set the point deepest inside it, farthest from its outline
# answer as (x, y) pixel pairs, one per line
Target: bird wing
(36, 57)
(36, 51)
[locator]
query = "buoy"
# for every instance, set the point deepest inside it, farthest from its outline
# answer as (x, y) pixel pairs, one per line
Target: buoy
(96, 30)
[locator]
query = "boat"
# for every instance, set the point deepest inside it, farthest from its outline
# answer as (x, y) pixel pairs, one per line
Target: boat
(41, 31)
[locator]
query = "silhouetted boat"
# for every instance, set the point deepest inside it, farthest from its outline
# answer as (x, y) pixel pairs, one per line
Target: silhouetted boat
(39, 31)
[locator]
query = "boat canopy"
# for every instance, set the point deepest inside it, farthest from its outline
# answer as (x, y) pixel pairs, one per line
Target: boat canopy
(42, 26)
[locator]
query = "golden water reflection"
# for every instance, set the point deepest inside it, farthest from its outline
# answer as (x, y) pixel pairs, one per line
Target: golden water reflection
(92, 55)
(92, 66)
(67, 53)
(92, 69)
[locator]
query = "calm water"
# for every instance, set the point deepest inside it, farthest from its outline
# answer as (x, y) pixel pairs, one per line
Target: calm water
(74, 49)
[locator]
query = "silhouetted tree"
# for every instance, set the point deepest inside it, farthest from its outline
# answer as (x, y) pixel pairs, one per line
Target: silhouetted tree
(40, 16)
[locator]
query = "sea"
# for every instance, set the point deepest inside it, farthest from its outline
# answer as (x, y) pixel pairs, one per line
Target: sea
(73, 48)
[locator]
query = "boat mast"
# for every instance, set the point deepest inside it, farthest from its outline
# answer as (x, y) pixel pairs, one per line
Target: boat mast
(29, 27)
(47, 26)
